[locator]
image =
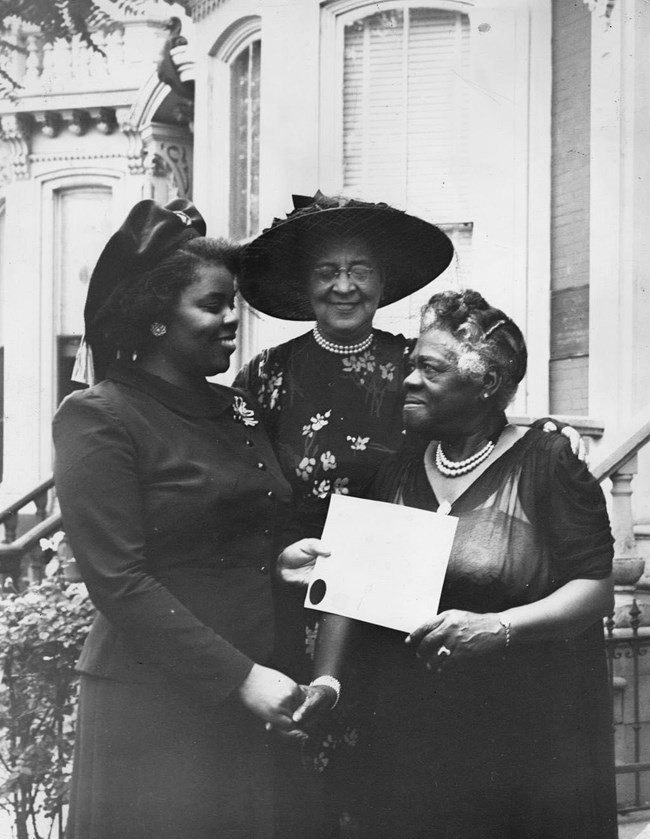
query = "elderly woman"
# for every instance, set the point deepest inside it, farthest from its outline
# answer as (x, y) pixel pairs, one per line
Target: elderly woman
(175, 506)
(492, 719)
(332, 398)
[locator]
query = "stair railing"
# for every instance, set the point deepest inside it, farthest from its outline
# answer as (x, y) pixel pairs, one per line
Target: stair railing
(13, 549)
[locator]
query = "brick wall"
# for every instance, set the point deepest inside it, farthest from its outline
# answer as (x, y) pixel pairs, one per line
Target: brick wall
(570, 208)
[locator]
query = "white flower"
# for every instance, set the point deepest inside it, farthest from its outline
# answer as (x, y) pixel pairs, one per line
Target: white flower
(52, 543)
(353, 364)
(305, 468)
(358, 444)
(341, 486)
(328, 460)
(322, 489)
(320, 420)
(274, 386)
(387, 371)
(242, 413)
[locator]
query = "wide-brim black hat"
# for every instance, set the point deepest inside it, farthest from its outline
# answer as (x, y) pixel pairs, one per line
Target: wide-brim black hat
(412, 252)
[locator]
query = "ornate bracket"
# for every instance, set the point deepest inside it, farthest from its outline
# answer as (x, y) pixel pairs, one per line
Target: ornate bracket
(169, 160)
(16, 131)
(135, 152)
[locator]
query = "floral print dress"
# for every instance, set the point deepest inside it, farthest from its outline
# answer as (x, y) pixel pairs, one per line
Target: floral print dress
(332, 419)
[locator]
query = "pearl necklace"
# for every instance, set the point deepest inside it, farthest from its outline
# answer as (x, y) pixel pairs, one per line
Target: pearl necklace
(454, 468)
(342, 349)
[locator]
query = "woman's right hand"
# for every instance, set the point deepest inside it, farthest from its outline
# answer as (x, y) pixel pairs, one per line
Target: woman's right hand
(296, 562)
(271, 695)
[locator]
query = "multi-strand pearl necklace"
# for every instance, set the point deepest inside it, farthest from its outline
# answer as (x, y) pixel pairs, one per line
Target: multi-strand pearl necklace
(454, 468)
(342, 349)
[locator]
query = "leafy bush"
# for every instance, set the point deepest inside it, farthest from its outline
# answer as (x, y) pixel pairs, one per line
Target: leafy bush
(42, 631)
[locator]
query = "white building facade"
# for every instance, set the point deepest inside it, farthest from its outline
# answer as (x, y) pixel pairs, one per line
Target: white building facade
(518, 125)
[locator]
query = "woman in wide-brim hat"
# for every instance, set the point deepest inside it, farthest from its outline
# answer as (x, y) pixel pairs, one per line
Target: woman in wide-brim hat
(331, 399)
(408, 253)
(175, 508)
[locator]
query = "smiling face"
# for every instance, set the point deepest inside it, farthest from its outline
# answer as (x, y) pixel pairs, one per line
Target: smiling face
(201, 332)
(441, 403)
(345, 301)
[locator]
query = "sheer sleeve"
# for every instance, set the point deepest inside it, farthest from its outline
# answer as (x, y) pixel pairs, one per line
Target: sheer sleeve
(575, 516)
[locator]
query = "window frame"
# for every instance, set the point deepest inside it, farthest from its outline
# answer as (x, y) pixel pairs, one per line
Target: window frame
(51, 187)
(511, 242)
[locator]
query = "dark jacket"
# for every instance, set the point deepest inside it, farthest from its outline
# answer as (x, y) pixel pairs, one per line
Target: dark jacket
(175, 508)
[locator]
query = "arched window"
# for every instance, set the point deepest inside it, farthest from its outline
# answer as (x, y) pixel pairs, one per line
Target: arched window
(245, 140)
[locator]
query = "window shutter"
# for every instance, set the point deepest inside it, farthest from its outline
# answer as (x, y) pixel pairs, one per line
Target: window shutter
(405, 111)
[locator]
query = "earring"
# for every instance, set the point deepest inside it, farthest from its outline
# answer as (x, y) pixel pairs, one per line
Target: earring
(157, 329)
(485, 395)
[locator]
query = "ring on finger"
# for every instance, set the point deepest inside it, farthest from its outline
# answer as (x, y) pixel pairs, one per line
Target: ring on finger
(444, 650)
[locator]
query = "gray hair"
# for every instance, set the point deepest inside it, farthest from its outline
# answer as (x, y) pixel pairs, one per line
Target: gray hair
(489, 339)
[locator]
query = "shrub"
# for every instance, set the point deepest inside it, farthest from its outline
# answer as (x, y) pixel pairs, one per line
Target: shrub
(42, 630)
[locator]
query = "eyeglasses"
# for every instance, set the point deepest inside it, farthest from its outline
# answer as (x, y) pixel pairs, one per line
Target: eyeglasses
(356, 274)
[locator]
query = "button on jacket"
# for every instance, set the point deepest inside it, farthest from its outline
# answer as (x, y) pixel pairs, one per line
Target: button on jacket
(176, 509)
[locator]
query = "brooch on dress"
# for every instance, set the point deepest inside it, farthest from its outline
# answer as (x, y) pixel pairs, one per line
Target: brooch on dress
(243, 414)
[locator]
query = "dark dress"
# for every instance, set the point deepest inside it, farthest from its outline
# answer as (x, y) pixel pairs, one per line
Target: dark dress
(175, 507)
(516, 745)
(332, 420)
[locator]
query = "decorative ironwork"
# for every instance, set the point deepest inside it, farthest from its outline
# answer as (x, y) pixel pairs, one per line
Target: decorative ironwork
(626, 649)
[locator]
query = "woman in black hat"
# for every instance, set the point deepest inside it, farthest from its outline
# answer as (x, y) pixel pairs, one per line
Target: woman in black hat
(175, 507)
(331, 399)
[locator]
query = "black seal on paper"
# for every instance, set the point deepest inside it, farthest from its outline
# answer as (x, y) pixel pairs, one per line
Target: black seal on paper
(317, 591)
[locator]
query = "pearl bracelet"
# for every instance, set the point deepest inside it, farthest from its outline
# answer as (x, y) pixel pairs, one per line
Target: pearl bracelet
(328, 682)
(505, 623)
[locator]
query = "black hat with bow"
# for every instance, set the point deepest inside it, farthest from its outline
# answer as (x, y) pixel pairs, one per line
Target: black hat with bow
(412, 252)
(149, 235)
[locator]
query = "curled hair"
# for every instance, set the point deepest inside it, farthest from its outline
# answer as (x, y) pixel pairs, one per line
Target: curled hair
(489, 339)
(139, 300)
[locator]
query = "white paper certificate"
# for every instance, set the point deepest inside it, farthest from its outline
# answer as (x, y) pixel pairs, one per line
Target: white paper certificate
(387, 565)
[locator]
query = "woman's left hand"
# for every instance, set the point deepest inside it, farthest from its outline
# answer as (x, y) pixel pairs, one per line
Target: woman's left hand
(296, 561)
(455, 635)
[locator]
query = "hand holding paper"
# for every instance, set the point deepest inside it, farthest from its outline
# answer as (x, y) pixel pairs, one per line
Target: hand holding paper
(387, 562)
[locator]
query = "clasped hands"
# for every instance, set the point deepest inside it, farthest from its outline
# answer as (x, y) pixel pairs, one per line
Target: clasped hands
(284, 705)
